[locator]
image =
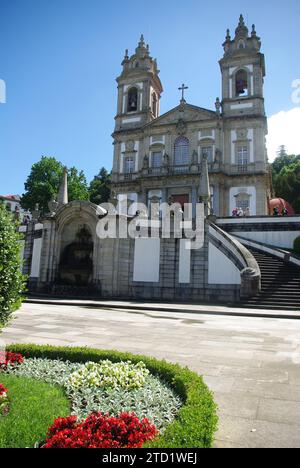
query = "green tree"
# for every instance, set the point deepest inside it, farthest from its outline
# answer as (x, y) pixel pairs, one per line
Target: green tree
(100, 187)
(283, 159)
(77, 185)
(44, 180)
(286, 177)
(12, 282)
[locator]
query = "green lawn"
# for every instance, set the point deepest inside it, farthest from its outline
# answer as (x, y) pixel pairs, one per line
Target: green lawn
(33, 407)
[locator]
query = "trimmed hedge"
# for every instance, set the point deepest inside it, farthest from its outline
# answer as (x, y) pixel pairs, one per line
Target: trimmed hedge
(297, 245)
(196, 422)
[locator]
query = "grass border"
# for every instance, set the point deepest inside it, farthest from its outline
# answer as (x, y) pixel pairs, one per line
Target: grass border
(196, 422)
(33, 406)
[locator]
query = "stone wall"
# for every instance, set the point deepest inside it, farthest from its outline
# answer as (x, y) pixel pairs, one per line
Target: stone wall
(275, 231)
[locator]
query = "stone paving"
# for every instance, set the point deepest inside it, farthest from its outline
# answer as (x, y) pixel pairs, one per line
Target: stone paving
(252, 364)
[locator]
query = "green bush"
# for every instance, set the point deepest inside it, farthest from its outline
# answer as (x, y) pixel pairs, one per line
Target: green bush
(297, 245)
(12, 282)
(196, 421)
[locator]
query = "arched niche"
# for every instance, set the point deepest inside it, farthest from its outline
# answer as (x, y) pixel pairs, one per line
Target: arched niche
(76, 245)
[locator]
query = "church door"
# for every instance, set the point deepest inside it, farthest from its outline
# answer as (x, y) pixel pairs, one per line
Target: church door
(182, 199)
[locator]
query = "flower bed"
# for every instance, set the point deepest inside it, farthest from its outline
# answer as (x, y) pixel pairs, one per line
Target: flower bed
(10, 359)
(100, 431)
(107, 374)
(152, 399)
(196, 419)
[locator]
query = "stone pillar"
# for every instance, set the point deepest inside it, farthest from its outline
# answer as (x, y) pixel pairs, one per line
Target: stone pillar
(28, 248)
(194, 200)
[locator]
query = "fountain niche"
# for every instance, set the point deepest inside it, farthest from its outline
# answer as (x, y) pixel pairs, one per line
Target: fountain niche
(76, 264)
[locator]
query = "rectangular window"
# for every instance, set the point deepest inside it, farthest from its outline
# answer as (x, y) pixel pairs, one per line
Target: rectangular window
(208, 150)
(242, 155)
(129, 165)
(242, 158)
(156, 159)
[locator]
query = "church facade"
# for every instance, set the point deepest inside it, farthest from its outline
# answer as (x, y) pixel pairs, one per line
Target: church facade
(215, 159)
(159, 156)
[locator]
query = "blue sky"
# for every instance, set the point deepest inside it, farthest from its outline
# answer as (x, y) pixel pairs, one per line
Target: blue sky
(59, 60)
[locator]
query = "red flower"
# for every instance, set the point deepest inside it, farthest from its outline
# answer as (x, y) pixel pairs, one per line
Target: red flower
(2, 390)
(7, 358)
(100, 431)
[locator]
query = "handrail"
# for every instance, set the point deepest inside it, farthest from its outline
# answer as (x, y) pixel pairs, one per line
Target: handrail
(250, 271)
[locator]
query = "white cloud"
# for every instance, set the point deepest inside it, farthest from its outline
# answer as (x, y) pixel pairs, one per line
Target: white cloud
(284, 129)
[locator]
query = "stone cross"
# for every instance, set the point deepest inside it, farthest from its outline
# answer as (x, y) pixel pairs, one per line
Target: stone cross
(183, 88)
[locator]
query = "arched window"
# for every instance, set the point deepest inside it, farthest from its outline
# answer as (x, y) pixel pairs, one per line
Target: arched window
(181, 151)
(154, 104)
(132, 103)
(241, 83)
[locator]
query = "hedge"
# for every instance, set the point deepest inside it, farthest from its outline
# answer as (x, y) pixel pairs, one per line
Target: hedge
(297, 245)
(196, 422)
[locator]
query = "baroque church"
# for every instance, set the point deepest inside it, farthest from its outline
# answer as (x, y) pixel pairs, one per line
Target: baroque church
(188, 155)
(159, 156)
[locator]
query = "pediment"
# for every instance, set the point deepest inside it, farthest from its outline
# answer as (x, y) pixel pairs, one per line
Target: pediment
(187, 114)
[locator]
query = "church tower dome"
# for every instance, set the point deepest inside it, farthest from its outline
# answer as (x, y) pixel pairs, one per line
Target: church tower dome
(139, 89)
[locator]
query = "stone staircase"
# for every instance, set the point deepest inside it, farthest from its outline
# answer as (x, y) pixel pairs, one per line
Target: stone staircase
(280, 284)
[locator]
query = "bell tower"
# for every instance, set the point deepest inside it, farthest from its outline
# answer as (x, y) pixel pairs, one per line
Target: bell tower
(243, 72)
(139, 89)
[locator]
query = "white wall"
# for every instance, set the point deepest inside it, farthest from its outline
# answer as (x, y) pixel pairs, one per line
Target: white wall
(220, 269)
(184, 261)
(146, 260)
(265, 234)
(36, 258)
(282, 239)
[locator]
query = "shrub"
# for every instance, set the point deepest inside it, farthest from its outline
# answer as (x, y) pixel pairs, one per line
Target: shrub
(297, 245)
(12, 282)
(100, 431)
(196, 421)
(110, 375)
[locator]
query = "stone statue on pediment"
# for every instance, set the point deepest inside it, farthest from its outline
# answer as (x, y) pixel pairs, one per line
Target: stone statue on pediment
(146, 162)
(166, 160)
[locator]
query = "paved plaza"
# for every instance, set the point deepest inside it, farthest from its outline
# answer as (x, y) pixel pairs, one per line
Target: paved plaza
(251, 363)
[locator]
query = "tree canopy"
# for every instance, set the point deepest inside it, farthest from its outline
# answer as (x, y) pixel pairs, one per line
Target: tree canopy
(100, 187)
(286, 177)
(44, 180)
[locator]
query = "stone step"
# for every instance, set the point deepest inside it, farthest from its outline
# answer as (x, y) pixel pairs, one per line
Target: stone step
(280, 284)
